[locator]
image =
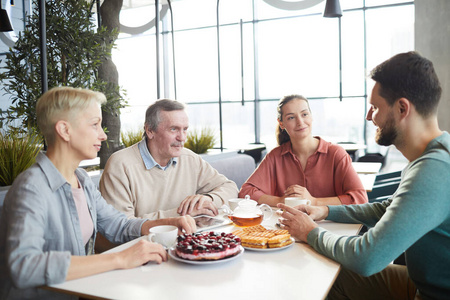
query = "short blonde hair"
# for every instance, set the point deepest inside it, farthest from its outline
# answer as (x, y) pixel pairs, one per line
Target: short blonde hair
(62, 103)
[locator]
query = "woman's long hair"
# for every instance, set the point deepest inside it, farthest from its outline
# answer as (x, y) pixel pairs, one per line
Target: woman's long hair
(282, 135)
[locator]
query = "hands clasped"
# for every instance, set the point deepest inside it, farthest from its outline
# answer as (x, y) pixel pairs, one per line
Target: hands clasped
(296, 190)
(197, 205)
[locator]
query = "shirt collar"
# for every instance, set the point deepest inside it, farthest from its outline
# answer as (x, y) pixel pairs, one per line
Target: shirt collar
(54, 177)
(287, 147)
(148, 159)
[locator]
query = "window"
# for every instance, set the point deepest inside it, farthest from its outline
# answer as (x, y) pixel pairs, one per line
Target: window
(284, 52)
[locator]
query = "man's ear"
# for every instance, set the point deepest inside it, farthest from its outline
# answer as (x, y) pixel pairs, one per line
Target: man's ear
(62, 130)
(403, 107)
(149, 133)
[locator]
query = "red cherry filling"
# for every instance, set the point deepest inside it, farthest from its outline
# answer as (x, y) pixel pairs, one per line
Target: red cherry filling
(207, 242)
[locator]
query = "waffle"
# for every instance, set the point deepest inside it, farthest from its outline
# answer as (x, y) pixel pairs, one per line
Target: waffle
(279, 241)
(240, 233)
(254, 228)
(260, 237)
(278, 231)
(282, 244)
(254, 242)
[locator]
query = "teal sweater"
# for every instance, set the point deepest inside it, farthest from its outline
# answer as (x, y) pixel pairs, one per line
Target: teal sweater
(416, 220)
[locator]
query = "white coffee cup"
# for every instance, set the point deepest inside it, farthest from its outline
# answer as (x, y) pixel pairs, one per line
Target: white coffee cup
(165, 235)
(233, 203)
(294, 201)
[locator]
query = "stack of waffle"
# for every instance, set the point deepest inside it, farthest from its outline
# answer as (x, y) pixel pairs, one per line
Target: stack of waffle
(262, 238)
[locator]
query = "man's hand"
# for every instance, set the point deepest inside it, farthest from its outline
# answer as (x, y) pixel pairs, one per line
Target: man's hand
(197, 205)
(317, 213)
(297, 220)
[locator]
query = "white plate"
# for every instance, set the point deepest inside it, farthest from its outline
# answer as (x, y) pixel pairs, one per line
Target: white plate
(173, 254)
(272, 249)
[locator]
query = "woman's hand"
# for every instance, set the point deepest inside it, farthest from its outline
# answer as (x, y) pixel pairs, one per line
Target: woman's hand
(141, 253)
(299, 191)
(185, 224)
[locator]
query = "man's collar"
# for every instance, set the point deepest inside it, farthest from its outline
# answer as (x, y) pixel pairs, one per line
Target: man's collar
(148, 159)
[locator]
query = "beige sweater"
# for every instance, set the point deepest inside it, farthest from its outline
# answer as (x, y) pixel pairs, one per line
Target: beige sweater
(155, 193)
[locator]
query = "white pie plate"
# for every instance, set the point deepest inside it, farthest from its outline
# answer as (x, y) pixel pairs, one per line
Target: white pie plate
(173, 255)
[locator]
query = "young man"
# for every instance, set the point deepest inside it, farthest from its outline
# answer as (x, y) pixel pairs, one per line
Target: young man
(157, 178)
(416, 220)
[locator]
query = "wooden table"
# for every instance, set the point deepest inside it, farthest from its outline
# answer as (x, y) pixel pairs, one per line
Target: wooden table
(297, 272)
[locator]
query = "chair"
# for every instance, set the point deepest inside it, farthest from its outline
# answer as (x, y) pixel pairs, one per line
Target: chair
(236, 167)
(2, 198)
(383, 189)
(373, 157)
(388, 176)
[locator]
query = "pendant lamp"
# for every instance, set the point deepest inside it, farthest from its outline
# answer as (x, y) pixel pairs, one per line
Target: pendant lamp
(5, 24)
(332, 9)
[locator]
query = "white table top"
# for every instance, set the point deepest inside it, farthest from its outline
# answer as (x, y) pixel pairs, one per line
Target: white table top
(352, 146)
(366, 167)
(297, 272)
(368, 180)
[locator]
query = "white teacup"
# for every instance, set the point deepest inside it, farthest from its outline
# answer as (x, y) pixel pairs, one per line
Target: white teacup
(294, 201)
(233, 203)
(165, 235)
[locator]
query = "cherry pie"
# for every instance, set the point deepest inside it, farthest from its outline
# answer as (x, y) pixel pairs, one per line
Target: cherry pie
(207, 245)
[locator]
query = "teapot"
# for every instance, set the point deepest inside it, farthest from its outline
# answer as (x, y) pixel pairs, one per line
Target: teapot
(248, 213)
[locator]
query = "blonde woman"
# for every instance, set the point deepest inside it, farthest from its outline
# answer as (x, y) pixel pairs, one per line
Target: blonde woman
(53, 211)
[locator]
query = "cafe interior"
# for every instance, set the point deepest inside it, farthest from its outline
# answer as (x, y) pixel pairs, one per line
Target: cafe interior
(230, 61)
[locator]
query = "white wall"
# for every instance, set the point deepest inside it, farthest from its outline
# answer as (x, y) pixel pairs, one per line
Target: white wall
(432, 40)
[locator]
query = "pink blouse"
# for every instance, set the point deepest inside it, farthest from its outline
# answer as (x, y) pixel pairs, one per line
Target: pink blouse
(328, 173)
(87, 226)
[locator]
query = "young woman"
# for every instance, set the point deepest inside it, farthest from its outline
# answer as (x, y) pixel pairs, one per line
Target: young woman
(302, 165)
(53, 211)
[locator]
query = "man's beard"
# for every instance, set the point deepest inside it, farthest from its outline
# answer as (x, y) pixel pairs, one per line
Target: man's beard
(387, 135)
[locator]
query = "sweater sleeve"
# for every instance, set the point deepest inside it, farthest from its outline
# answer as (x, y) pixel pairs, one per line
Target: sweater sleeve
(115, 186)
(419, 206)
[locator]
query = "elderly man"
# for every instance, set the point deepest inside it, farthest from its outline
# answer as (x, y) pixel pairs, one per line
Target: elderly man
(157, 178)
(416, 220)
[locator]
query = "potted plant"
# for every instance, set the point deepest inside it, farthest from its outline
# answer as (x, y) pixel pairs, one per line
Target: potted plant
(131, 137)
(18, 152)
(76, 50)
(200, 141)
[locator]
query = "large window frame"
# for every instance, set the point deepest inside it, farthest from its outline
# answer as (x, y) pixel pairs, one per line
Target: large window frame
(250, 103)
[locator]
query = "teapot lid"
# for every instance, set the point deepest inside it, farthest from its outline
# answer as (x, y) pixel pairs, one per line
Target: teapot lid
(247, 203)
